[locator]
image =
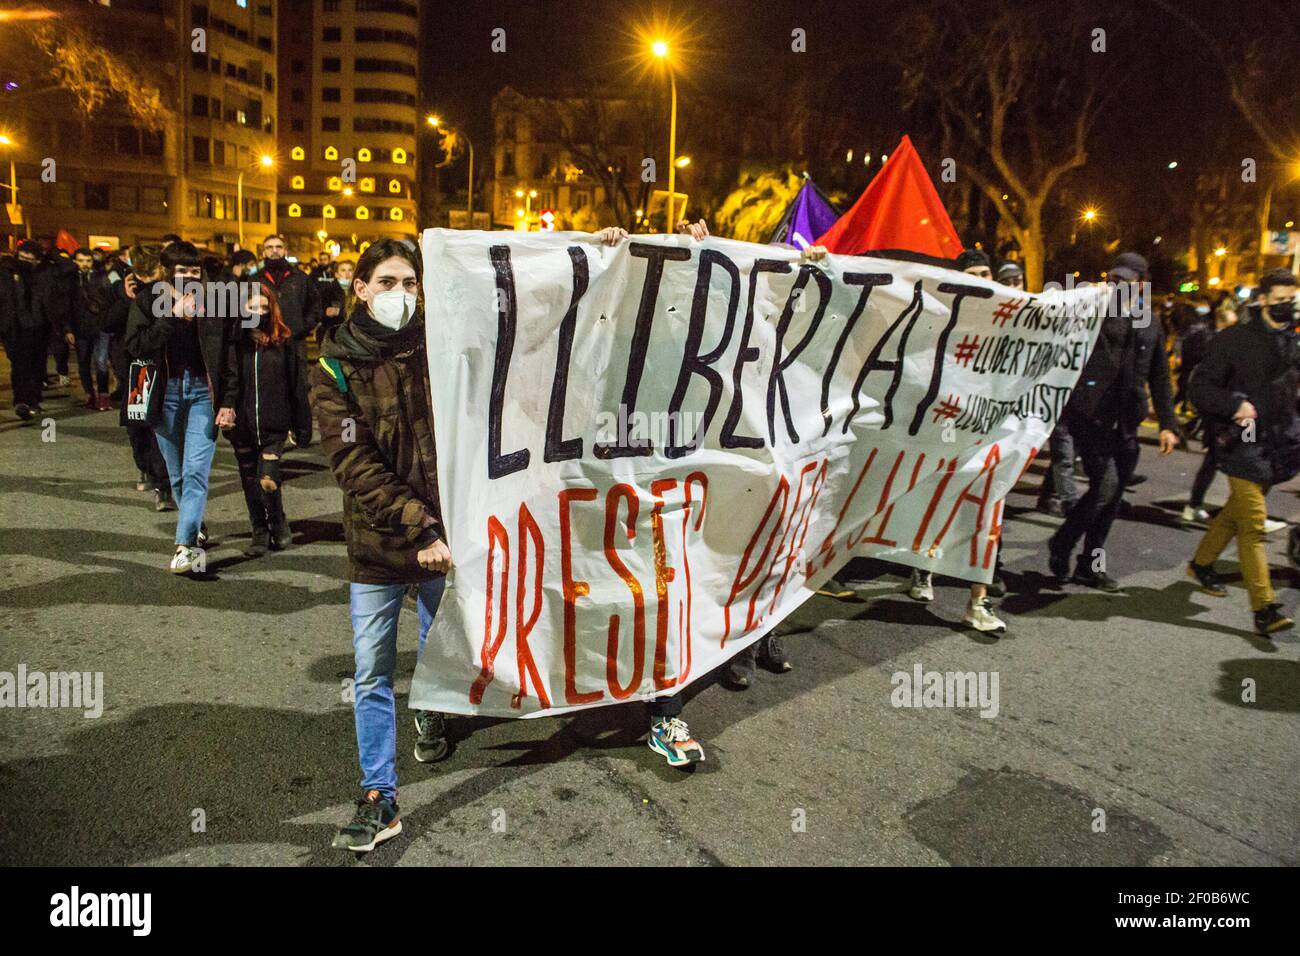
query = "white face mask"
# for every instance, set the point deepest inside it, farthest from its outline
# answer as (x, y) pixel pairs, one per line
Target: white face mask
(393, 309)
(345, 282)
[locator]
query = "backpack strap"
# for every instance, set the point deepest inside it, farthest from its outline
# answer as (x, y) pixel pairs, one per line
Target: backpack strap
(334, 369)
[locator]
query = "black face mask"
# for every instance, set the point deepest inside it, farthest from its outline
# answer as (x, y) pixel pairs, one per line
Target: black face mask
(1282, 313)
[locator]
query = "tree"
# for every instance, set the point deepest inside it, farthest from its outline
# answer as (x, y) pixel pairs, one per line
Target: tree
(754, 208)
(1016, 88)
(74, 61)
(1254, 49)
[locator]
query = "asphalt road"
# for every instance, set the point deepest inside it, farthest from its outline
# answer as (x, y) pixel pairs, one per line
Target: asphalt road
(225, 739)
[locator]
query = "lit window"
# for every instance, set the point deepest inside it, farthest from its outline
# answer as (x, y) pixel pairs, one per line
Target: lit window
(394, 185)
(364, 246)
(363, 212)
(335, 184)
(363, 155)
(298, 153)
(297, 182)
(295, 210)
(331, 152)
(328, 211)
(399, 156)
(367, 184)
(396, 214)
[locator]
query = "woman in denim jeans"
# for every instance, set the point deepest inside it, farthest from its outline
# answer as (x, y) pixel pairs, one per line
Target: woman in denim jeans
(195, 357)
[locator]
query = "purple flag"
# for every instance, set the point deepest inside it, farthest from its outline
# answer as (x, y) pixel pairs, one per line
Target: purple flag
(808, 217)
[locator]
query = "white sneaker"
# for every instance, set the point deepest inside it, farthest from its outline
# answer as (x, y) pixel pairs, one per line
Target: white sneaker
(1192, 515)
(183, 560)
(922, 588)
(981, 617)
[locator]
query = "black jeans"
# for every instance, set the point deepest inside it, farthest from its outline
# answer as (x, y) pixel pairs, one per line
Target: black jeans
(1209, 465)
(27, 351)
(1109, 457)
(148, 459)
(1058, 482)
(666, 706)
(260, 477)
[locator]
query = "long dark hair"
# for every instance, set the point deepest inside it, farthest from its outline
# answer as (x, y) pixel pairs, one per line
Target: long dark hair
(377, 252)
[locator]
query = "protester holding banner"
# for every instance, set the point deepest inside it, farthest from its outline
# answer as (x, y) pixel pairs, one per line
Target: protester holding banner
(1103, 415)
(979, 610)
(370, 392)
(266, 393)
(193, 354)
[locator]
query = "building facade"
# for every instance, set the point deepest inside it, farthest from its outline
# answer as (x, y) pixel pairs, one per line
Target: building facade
(349, 110)
(108, 179)
(535, 151)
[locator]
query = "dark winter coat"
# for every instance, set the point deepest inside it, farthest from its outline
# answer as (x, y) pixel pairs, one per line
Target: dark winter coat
(1112, 387)
(1252, 362)
(299, 298)
(386, 464)
(266, 392)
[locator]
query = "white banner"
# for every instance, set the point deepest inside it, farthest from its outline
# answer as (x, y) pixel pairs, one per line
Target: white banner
(649, 454)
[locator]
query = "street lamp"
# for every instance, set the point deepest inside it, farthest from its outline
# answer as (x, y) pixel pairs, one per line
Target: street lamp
(660, 49)
(265, 161)
(436, 122)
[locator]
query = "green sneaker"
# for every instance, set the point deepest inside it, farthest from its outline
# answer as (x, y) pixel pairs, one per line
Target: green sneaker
(376, 820)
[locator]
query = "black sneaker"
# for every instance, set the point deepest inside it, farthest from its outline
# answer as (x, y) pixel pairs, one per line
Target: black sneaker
(739, 672)
(1058, 564)
(1270, 618)
(376, 820)
(162, 501)
(1210, 582)
(1097, 580)
(431, 746)
(260, 544)
(281, 536)
(771, 654)
(23, 411)
(202, 539)
(997, 587)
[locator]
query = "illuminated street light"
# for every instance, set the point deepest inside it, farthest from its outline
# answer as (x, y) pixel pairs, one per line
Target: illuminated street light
(267, 162)
(432, 120)
(1173, 164)
(683, 162)
(1221, 251)
(660, 49)
(1089, 215)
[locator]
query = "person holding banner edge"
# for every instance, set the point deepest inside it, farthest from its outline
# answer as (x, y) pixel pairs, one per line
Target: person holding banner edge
(979, 610)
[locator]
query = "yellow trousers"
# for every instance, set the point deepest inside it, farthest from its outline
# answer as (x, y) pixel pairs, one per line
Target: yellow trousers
(1242, 518)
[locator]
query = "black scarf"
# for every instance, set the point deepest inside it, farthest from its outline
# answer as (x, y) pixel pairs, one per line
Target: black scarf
(391, 340)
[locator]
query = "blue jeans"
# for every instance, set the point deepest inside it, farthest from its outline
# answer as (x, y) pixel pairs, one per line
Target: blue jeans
(375, 608)
(187, 438)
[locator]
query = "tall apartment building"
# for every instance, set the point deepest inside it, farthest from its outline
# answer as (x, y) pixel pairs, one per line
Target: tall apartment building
(109, 182)
(349, 121)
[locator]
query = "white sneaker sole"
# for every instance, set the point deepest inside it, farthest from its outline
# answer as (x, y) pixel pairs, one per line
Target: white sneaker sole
(999, 628)
(925, 597)
(387, 833)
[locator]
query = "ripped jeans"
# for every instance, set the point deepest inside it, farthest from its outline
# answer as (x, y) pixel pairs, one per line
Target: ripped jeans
(259, 473)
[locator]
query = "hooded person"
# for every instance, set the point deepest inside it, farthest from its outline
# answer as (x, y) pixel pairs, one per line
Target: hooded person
(1103, 414)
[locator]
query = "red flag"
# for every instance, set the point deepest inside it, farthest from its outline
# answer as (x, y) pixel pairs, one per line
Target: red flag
(67, 242)
(899, 209)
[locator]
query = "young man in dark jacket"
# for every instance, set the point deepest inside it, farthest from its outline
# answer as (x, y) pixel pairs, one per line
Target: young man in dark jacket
(1247, 384)
(300, 308)
(89, 318)
(1102, 416)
